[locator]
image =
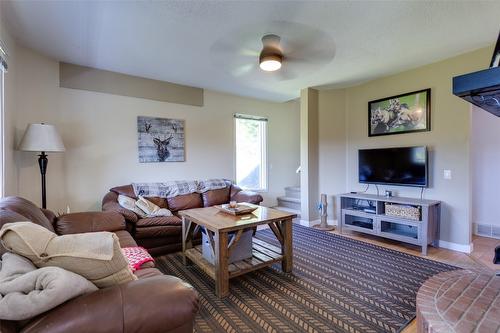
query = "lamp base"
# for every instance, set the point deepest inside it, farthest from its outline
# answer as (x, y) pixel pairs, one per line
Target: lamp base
(42, 163)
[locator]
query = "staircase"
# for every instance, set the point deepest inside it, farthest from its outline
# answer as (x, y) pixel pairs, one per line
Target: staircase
(291, 201)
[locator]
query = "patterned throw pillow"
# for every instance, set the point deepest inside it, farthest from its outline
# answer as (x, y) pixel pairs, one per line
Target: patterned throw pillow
(136, 256)
(129, 203)
(150, 208)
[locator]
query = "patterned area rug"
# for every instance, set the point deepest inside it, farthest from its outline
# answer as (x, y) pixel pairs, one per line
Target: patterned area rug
(338, 285)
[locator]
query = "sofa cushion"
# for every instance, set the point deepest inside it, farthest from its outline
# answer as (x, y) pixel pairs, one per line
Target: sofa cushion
(147, 272)
(160, 202)
(157, 231)
(216, 197)
(158, 221)
(76, 223)
(127, 190)
(97, 256)
(186, 201)
(125, 238)
(27, 209)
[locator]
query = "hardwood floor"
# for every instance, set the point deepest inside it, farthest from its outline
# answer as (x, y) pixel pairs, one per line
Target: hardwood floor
(480, 258)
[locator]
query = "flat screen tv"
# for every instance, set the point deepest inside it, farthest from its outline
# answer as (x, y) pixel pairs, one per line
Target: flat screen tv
(405, 166)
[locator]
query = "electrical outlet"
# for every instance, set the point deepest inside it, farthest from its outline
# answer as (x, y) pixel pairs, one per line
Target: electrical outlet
(447, 174)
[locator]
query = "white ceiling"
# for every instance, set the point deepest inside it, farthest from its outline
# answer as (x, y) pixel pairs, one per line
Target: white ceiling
(179, 41)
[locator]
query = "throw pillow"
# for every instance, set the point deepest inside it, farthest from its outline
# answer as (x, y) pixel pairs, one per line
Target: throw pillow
(129, 203)
(136, 256)
(97, 256)
(150, 208)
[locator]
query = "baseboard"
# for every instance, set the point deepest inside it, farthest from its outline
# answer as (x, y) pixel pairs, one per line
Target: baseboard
(456, 247)
(313, 222)
(305, 223)
(441, 243)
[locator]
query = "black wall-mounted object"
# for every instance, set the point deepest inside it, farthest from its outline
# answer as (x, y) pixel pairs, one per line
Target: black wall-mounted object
(401, 166)
(482, 88)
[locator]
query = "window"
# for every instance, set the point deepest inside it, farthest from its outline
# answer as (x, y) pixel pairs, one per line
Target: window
(3, 69)
(2, 156)
(251, 152)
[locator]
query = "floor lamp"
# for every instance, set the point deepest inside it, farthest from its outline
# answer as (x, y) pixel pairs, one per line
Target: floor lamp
(42, 138)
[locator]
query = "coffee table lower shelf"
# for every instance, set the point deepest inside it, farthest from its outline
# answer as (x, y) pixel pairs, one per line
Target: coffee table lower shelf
(264, 254)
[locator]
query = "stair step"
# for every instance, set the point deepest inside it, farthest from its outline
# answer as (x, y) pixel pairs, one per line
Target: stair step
(289, 199)
(292, 192)
(293, 203)
(292, 188)
(289, 210)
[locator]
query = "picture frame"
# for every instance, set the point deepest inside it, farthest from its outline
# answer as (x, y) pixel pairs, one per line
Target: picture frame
(160, 139)
(400, 114)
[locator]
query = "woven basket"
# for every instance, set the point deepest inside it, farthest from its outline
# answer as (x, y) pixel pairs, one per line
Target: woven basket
(407, 212)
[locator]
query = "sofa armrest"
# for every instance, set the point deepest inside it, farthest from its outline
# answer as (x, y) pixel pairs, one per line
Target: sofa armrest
(110, 204)
(154, 304)
(49, 215)
(8, 326)
(247, 196)
(89, 222)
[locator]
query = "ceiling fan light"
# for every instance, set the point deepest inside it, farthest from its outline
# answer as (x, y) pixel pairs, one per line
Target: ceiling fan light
(270, 63)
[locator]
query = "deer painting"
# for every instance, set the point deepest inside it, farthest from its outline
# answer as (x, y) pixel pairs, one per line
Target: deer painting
(156, 136)
(162, 148)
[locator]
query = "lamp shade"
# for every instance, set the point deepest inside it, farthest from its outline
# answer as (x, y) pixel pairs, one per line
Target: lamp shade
(41, 137)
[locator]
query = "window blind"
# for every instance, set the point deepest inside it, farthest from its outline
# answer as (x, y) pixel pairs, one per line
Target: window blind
(249, 117)
(3, 57)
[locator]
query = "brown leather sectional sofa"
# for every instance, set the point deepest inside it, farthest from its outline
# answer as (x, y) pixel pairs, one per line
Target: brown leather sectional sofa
(153, 303)
(160, 235)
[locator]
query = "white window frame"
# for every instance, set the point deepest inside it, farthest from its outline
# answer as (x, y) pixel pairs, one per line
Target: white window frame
(2, 131)
(264, 142)
(3, 70)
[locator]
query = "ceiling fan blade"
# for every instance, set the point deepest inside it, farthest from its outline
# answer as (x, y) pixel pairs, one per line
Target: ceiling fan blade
(305, 49)
(249, 53)
(243, 70)
(284, 75)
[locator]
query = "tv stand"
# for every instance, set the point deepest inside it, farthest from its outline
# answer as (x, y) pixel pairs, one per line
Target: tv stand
(366, 213)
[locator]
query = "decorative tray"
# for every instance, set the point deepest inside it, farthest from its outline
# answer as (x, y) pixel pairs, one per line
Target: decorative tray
(239, 210)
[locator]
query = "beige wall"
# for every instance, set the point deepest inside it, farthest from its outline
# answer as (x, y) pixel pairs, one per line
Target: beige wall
(309, 154)
(332, 145)
(448, 141)
(485, 163)
(99, 131)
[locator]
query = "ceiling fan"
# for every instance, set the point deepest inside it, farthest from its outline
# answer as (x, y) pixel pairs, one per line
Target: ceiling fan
(270, 57)
(275, 51)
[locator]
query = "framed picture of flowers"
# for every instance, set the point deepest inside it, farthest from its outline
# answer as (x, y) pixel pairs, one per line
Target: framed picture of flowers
(405, 113)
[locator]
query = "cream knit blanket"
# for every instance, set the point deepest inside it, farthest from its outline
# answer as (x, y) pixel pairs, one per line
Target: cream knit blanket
(96, 256)
(26, 291)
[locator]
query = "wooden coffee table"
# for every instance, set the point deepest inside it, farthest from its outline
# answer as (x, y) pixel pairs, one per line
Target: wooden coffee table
(218, 224)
